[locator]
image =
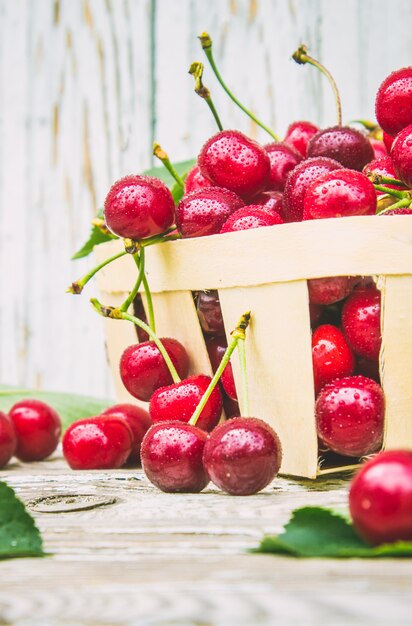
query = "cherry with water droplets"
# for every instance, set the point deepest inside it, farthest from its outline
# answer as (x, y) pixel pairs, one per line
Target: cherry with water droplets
(139, 206)
(379, 148)
(399, 211)
(8, 439)
(393, 104)
(272, 200)
(282, 159)
(344, 144)
(216, 347)
(231, 160)
(210, 313)
(331, 289)
(251, 216)
(204, 212)
(402, 155)
(332, 357)
(143, 369)
(297, 183)
(178, 402)
(384, 167)
(138, 421)
(172, 457)
(361, 322)
(299, 134)
(242, 456)
(195, 180)
(38, 429)
(380, 498)
(349, 416)
(342, 193)
(388, 141)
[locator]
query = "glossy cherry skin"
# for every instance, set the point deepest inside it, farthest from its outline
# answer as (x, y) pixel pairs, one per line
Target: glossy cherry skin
(138, 421)
(342, 193)
(388, 141)
(331, 289)
(231, 160)
(178, 402)
(101, 442)
(383, 166)
(299, 134)
(346, 145)
(252, 216)
(380, 498)
(216, 347)
(204, 212)
(400, 211)
(38, 429)
(8, 439)
(379, 148)
(402, 155)
(297, 183)
(349, 416)
(195, 180)
(242, 456)
(172, 457)
(361, 322)
(282, 159)
(331, 355)
(143, 369)
(210, 313)
(139, 206)
(272, 200)
(393, 105)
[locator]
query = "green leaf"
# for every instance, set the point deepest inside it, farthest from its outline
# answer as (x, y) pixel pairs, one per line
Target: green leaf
(96, 237)
(69, 407)
(320, 532)
(19, 535)
(182, 168)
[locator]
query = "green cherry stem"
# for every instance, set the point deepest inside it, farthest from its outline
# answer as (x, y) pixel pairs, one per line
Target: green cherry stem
(196, 70)
(206, 42)
(140, 262)
(117, 314)
(379, 179)
(302, 57)
(149, 303)
(406, 202)
(77, 286)
(393, 192)
(239, 334)
(160, 154)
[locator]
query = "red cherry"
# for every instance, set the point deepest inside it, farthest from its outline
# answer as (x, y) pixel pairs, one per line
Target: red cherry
(38, 429)
(143, 369)
(139, 422)
(368, 368)
(242, 456)
(232, 160)
(299, 134)
(315, 312)
(8, 439)
(331, 289)
(204, 212)
(138, 207)
(195, 180)
(384, 167)
(252, 216)
(210, 313)
(228, 382)
(102, 442)
(380, 498)
(379, 148)
(402, 155)
(346, 145)
(172, 457)
(231, 407)
(400, 211)
(361, 322)
(178, 402)
(349, 416)
(270, 200)
(297, 183)
(139, 311)
(282, 159)
(393, 105)
(388, 141)
(332, 357)
(216, 347)
(340, 194)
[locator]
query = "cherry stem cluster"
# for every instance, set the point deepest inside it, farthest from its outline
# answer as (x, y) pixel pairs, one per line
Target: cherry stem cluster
(239, 336)
(206, 42)
(378, 179)
(196, 70)
(302, 57)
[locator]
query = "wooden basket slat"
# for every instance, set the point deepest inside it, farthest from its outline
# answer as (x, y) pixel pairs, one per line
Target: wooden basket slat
(279, 365)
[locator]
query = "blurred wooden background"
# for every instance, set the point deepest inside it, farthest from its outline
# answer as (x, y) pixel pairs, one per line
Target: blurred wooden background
(87, 85)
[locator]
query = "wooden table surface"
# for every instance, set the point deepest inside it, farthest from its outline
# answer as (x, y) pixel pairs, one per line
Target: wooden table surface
(143, 557)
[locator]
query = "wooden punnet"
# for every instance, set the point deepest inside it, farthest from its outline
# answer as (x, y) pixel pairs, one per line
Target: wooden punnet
(265, 270)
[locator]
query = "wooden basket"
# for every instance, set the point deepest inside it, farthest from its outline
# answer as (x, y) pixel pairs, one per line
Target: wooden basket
(265, 270)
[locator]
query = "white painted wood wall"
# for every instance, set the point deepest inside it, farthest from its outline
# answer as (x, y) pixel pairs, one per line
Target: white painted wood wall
(86, 85)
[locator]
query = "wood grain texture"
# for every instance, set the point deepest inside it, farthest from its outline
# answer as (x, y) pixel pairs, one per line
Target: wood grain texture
(174, 560)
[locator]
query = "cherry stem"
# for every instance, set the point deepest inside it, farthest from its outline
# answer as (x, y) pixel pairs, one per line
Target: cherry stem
(393, 192)
(378, 179)
(405, 202)
(245, 387)
(101, 225)
(77, 286)
(160, 154)
(116, 314)
(196, 70)
(140, 262)
(239, 334)
(206, 42)
(302, 57)
(149, 303)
